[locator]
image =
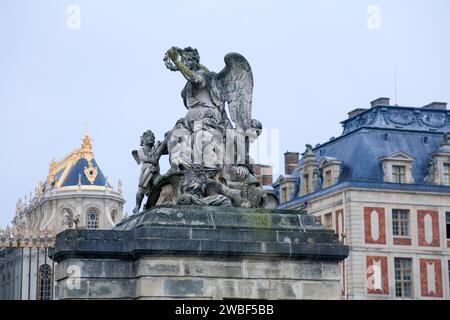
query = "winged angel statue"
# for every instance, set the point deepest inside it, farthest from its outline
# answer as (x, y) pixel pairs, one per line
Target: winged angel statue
(208, 152)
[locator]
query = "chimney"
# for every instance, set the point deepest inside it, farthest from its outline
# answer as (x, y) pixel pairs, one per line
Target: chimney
(436, 106)
(263, 173)
(290, 161)
(380, 102)
(355, 112)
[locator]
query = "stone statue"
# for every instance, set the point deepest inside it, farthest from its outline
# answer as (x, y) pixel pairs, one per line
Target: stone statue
(308, 151)
(195, 186)
(208, 151)
(148, 157)
(316, 180)
(205, 96)
(67, 219)
(430, 178)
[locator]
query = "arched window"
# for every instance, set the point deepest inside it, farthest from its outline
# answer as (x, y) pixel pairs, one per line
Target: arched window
(67, 218)
(92, 218)
(45, 282)
(114, 215)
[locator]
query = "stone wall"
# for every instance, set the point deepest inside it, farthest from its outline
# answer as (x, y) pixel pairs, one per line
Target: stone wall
(173, 252)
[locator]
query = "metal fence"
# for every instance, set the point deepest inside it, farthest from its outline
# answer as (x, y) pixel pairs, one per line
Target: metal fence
(27, 265)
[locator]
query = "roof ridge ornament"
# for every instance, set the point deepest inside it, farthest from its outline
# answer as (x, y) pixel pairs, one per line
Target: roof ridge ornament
(86, 148)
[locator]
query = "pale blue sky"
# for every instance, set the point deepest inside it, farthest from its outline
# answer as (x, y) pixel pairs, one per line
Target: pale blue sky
(313, 61)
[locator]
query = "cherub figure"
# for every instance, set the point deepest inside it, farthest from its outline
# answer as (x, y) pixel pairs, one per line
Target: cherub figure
(148, 157)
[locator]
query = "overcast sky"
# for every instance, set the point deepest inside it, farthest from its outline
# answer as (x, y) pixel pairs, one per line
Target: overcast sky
(313, 61)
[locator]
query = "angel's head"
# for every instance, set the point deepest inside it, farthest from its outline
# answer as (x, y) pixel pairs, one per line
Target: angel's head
(190, 58)
(147, 138)
(255, 130)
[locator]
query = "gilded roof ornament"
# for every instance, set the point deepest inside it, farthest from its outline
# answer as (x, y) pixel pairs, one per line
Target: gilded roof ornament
(90, 172)
(86, 148)
(52, 166)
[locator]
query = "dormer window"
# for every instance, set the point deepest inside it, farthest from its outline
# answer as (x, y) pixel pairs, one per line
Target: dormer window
(286, 187)
(331, 170)
(397, 168)
(328, 178)
(445, 174)
(398, 174)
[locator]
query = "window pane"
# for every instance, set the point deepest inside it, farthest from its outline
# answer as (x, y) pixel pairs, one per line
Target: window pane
(92, 219)
(407, 288)
(400, 222)
(446, 174)
(398, 174)
(403, 277)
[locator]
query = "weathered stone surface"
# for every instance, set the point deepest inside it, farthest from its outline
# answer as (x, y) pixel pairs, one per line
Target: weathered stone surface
(183, 287)
(149, 287)
(111, 289)
(204, 254)
(158, 267)
(112, 268)
(213, 268)
(321, 290)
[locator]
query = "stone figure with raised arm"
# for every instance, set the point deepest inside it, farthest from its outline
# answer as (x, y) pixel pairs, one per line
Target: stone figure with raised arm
(208, 148)
(206, 95)
(148, 157)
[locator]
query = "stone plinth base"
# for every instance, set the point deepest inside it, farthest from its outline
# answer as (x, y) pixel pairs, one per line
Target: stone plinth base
(172, 252)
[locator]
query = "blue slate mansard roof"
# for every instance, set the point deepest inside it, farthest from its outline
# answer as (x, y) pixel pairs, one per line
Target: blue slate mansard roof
(77, 174)
(378, 132)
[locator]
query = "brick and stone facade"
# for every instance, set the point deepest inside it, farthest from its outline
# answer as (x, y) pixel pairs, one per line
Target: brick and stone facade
(389, 203)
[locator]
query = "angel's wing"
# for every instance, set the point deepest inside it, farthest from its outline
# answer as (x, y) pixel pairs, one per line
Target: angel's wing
(236, 86)
(136, 156)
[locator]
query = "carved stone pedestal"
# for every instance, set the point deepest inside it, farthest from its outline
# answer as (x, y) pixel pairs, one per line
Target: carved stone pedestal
(172, 252)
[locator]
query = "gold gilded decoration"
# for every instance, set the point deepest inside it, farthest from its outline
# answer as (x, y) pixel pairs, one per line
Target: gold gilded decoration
(86, 148)
(22, 243)
(7, 236)
(52, 167)
(90, 172)
(30, 238)
(64, 166)
(39, 189)
(15, 236)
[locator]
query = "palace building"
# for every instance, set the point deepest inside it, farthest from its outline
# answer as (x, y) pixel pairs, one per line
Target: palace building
(75, 194)
(384, 186)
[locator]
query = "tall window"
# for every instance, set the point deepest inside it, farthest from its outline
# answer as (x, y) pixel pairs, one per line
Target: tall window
(448, 273)
(45, 282)
(398, 174)
(284, 194)
(403, 277)
(446, 177)
(92, 219)
(447, 216)
(306, 183)
(328, 178)
(400, 222)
